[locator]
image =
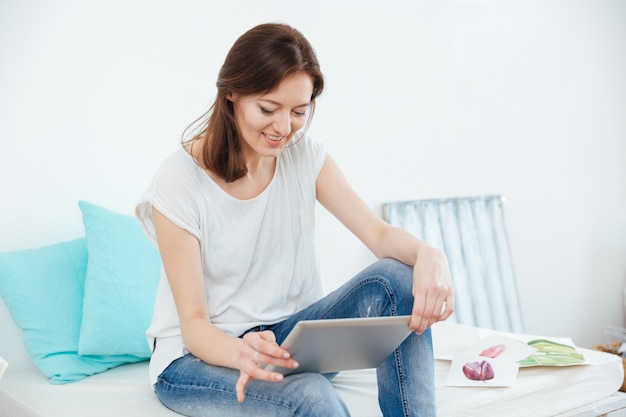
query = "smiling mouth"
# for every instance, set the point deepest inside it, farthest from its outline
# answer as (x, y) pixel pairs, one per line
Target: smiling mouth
(273, 138)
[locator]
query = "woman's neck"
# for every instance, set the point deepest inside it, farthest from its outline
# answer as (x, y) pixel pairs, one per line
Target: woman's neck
(260, 172)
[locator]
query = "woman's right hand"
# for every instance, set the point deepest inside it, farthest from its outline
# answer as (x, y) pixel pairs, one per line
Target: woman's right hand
(260, 348)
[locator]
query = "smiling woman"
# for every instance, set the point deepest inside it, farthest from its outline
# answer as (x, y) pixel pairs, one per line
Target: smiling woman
(272, 119)
(233, 214)
(260, 61)
(266, 123)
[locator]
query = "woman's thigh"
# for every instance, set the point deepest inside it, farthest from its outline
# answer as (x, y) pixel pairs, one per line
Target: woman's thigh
(194, 388)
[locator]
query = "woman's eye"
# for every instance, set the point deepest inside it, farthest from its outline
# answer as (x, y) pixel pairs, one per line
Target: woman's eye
(299, 113)
(266, 111)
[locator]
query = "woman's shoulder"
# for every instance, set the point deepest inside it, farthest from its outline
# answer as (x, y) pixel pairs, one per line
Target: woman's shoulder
(176, 173)
(176, 183)
(178, 162)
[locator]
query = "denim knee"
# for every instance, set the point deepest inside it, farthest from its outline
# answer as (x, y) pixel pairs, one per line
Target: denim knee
(390, 288)
(312, 394)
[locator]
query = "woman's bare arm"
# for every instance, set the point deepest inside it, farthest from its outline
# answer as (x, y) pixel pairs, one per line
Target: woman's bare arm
(432, 285)
(181, 256)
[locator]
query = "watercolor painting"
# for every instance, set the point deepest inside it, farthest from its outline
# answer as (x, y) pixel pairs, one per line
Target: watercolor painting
(495, 359)
(491, 363)
(550, 353)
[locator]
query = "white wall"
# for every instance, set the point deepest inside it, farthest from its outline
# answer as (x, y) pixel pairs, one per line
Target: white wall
(424, 99)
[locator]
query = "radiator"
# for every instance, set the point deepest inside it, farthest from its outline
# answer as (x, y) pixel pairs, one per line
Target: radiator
(472, 233)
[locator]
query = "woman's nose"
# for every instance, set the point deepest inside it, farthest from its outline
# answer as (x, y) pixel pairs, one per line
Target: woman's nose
(282, 123)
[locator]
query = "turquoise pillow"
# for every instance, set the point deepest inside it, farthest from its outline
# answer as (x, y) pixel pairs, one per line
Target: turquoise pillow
(123, 271)
(43, 289)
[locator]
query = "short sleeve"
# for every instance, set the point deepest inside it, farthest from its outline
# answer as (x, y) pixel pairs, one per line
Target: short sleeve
(174, 192)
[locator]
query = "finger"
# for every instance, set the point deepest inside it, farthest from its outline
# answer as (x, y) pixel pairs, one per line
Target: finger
(417, 315)
(269, 346)
(253, 371)
(445, 303)
(240, 387)
(426, 311)
(262, 358)
(268, 335)
(265, 343)
(449, 308)
(420, 323)
(256, 373)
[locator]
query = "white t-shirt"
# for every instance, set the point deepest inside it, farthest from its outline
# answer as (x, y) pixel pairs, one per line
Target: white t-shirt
(258, 256)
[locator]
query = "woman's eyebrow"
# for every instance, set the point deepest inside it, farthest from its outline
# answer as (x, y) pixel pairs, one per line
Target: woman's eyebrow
(276, 103)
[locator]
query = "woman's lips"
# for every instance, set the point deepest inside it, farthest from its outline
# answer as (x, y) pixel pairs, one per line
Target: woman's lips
(273, 141)
(273, 138)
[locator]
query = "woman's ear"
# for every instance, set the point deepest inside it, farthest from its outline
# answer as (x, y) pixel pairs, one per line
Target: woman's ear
(232, 97)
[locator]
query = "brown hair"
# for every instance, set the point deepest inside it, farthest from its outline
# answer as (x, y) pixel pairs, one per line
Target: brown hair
(256, 63)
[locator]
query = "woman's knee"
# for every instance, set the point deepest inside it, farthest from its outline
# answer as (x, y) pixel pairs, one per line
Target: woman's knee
(393, 269)
(314, 395)
(390, 285)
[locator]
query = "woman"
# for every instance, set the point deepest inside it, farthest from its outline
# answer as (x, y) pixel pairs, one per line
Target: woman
(232, 212)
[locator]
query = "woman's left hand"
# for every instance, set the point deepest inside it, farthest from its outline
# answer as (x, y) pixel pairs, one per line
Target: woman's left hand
(432, 289)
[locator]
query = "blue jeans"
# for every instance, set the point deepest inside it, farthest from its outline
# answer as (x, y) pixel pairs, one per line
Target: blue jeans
(406, 385)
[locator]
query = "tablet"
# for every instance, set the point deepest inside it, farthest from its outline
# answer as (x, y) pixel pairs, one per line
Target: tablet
(335, 345)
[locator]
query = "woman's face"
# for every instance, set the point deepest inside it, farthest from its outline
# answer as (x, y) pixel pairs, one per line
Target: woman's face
(268, 121)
